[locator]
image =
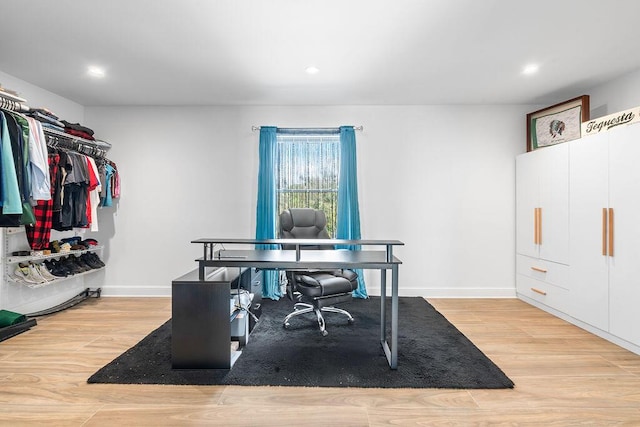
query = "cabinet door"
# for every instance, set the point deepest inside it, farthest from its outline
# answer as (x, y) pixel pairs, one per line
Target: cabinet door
(588, 196)
(527, 198)
(542, 182)
(553, 167)
(624, 199)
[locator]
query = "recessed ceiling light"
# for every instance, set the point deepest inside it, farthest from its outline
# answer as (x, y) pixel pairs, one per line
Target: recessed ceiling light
(530, 69)
(96, 72)
(312, 70)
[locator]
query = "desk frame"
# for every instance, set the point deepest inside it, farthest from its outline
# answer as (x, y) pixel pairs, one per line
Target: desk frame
(278, 259)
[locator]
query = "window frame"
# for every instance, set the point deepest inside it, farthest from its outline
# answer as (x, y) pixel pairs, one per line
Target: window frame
(284, 195)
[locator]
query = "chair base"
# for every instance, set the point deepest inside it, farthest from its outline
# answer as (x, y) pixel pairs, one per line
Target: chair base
(303, 308)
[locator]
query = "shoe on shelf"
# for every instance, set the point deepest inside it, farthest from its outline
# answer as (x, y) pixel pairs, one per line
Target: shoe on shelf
(35, 273)
(55, 268)
(69, 265)
(66, 266)
(88, 261)
(92, 260)
(46, 274)
(80, 263)
(24, 274)
(94, 256)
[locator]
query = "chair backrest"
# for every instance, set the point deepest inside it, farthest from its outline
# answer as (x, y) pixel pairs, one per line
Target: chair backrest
(304, 223)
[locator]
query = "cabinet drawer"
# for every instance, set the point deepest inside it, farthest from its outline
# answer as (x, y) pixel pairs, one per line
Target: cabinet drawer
(256, 284)
(546, 293)
(544, 271)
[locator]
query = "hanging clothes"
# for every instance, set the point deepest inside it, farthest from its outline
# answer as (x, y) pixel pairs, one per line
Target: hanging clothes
(115, 178)
(74, 193)
(39, 235)
(95, 186)
(107, 195)
(11, 199)
(38, 159)
(48, 176)
(18, 137)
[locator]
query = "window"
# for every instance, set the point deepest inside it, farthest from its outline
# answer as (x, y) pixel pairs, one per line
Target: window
(307, 173)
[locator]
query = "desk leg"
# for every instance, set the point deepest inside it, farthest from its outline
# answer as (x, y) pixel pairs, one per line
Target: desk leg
(394, 317)
(383, 314)
(390, 349)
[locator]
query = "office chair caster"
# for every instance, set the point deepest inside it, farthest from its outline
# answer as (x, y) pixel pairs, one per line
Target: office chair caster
(321, 322)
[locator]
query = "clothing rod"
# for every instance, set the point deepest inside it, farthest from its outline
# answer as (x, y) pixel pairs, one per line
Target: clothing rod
(255, 128)
(103, 145)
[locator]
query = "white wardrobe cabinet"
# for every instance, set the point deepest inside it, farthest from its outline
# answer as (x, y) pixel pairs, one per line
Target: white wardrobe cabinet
(599, 287)
(605, 213)
(542, 217)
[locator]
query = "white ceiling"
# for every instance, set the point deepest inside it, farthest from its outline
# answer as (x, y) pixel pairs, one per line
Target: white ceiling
(254, 52)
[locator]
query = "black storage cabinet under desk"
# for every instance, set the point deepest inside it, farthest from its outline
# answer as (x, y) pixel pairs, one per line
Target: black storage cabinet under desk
(200, 334)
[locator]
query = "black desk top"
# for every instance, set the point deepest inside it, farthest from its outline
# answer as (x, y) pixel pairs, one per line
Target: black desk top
(286, 259)
(301, 242)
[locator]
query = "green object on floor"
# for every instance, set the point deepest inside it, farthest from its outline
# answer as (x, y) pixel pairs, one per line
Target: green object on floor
(8, 318)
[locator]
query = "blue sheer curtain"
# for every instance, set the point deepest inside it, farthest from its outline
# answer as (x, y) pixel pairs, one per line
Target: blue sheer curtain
(348, 226)
(266, 216)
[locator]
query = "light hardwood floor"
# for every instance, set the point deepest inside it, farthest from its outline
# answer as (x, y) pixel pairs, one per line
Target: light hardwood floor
(563, 376)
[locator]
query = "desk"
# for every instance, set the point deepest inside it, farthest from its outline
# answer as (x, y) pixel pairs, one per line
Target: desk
(301, 259)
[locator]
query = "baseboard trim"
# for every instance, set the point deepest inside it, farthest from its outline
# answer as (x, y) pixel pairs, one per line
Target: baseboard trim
(136, 291)
(599, 332)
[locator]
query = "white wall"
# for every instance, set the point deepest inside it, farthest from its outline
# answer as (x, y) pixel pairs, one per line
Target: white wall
(618, 95)
(439, 178)
(37, 98)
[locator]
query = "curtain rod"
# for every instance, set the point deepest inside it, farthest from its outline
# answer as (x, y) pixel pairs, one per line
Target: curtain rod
(255, 128)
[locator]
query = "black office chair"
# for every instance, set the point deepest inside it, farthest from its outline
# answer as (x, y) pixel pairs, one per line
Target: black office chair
(315, 290)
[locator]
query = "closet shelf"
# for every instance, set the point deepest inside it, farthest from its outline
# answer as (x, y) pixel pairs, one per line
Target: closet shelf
(14, 230)
(72, 138)
(19, 259)
(50, 282)
(93, 148)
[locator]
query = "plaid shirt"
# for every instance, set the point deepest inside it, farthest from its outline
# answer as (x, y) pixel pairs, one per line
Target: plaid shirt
(39, 234)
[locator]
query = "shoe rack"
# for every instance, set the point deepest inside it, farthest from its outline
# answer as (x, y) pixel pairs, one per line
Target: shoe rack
(14, 239)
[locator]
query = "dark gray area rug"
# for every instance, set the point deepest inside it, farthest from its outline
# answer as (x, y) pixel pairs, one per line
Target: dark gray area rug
(432, 353)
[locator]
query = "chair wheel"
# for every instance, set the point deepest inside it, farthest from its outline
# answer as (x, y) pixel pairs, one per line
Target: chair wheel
(350, 321)
(325, 333)
(285, 325)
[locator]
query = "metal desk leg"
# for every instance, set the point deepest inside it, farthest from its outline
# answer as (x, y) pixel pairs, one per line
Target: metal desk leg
(383, 297)
(394, 317)
(391, 351)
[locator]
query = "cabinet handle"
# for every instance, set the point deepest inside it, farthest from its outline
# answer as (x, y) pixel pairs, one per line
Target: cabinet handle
(537, 234)
(604, 231)
(541, 270)
(538, 291)
(611, 232)
(539, 226)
